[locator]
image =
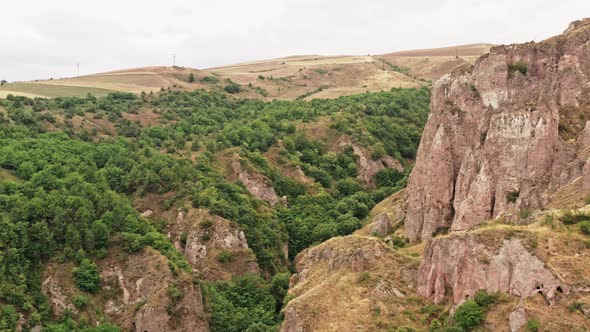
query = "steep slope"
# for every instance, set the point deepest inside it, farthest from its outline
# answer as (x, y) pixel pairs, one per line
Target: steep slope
(502, 160)
(349, 282)
(504, 135)
(140, 294)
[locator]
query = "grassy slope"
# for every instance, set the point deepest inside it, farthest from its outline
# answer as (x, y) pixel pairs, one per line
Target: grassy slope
(309, 76)
(50, 91)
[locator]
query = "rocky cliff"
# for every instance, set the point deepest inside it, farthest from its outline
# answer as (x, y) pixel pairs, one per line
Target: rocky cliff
(503, 135)
(503, 158)
(139, 293)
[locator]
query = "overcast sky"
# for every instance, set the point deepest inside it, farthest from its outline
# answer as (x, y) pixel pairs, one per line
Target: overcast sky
(46, 38)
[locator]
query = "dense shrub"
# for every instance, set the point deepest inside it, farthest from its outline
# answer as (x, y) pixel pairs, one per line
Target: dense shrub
(244, 302)
(584, 227)
(533, 325)
(232, 88)
(74, 189)
(86, 276)
(468, 315)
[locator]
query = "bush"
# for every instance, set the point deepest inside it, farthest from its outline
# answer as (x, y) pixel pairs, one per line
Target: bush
(388, 177)
(468, 315)
(245, 303)
(86, 276)
(398, 242)
(485, 300)
(224, 256)
(570, 218)
(518, 66)
(191, 78)
(232, 88)
(585, 227)
(210, 80)
(512, 196)
(533, 325)
(81, 301)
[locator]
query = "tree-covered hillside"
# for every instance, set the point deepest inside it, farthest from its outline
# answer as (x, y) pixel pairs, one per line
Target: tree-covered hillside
(72, 168)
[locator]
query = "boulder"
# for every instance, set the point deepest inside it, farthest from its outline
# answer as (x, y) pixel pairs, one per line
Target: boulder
(381, 226)
(518, 318)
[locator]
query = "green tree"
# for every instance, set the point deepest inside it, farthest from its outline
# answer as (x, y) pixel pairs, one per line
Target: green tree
(191, 78)
(468, 315)
(86, 276)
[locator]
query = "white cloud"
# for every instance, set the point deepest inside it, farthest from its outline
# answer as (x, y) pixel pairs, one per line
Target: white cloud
(42, 39)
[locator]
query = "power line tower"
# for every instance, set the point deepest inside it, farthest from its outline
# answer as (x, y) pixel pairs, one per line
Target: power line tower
(78, 69)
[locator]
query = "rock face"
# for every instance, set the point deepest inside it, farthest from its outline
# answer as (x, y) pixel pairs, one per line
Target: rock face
(499, 136)
(56, 295)
(381, 226)
(458, 266)
(257, 184)
(518, 318)
(201, 237)
(134, 293)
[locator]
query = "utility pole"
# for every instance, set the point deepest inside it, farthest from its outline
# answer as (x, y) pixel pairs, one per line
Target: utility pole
(78, 69)
(173, 59)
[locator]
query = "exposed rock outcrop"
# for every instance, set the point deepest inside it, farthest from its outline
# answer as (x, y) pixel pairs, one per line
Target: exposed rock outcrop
(257, 184)
(459, 265)
(202, 237)
(498, 138)
(134, 293)
(339, 283)
(381, 226)
(56, 294)
(518, 318)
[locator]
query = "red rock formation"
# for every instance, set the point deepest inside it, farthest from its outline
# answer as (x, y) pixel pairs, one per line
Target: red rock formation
(460, 265)
(257, 184)
(499, 137)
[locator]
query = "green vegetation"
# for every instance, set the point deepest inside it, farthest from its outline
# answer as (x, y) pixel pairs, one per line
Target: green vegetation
(86, 276)
(191, 78)
(210, 80)
(404, 70)
(248, 302)
(66, 195)
(584, 227)
(519, 66)
(312, 92)
(570, 218)
(232, 87)
(471, 313)
(512, 196)
(533, 325)
(468, 315)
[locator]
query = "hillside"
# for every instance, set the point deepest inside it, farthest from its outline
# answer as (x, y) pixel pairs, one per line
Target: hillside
(459, 205)
(182, 211)
(492, 231)
(295, 77)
